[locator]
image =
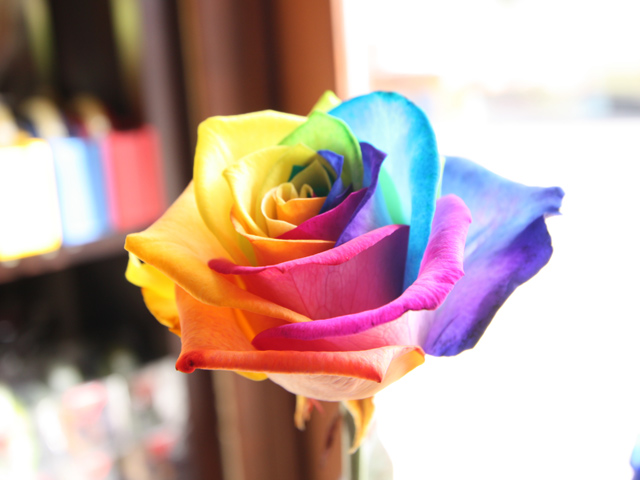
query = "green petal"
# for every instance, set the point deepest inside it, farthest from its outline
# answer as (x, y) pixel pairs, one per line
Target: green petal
(324, 132)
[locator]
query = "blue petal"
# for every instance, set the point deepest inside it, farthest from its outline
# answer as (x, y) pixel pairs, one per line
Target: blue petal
(507, 244)
(396, 126)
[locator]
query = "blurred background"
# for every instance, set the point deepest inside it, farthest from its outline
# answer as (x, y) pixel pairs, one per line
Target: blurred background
(99, 106)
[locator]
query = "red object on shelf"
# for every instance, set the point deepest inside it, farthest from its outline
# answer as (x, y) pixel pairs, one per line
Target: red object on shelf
(133, 174)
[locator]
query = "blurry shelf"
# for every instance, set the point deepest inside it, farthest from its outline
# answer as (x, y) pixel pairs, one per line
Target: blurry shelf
(61, 259)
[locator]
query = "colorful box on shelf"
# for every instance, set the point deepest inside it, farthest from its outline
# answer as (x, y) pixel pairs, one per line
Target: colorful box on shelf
(78, 168)
(133, 174)
(81, 189)
(29, 213)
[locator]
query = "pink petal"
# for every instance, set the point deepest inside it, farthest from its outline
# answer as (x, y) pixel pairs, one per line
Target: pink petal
(440, 269)
(363, 274)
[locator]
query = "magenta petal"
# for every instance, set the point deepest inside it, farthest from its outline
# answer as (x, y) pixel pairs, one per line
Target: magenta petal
(440, 269)
(410, 329)
(328, 225)
(360, 275)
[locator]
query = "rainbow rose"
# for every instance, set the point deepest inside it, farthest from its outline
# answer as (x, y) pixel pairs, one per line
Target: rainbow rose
(330, 253)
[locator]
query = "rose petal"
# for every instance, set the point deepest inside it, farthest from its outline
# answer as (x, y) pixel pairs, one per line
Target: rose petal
(283, 208)
(255, 174)
(440, 269)
(358, 214)
(271, 251)
(244, 181)
(213, 339)
(392, 362)
(298, 210)
(328, 225)
(316, 175)
(508, 243)
(179, 245)
(147, 276)
(362, 413)
(326, 102)
(501, 208)
(158, 292)
(410, 329)
(221, 142)
(298, 156)
(363, 274)
(396, 126)
(339, 190)
(322, 131)
(369, 215)
(304, 407)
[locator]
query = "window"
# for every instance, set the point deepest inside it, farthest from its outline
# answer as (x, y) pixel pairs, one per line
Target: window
(545, 93)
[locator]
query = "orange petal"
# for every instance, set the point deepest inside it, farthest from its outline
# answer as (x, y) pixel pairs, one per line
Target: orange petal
(212, 338)
(284, 208)
(298, 210)
(271, 251)
(180, 246)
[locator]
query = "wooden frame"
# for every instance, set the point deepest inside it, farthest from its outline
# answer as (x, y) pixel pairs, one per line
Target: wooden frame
(241, 57)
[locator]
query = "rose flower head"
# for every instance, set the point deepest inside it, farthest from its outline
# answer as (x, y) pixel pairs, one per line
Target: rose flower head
(330, 253)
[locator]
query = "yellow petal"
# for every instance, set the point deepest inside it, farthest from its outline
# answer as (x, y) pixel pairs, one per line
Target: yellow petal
(255, 376)
(245, 179)
(180, 246)
(163, 309)
(158, 292)
(296, 156)
(304, 407)
(147, 276)
(269, 211)
(362, 413)
(222, 141)
(284, 208)
(251, 179)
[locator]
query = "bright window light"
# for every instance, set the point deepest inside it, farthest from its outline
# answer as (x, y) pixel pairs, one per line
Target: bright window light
(545, 93)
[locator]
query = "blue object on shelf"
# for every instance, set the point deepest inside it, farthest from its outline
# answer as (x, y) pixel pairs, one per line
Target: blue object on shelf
(81, 190)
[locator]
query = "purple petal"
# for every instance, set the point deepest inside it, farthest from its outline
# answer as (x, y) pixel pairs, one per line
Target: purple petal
(508, 243)
(339, 191)
(370, 214)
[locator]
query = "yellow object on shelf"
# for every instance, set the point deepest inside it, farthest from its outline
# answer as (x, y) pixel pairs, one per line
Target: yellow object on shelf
(29, 213)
